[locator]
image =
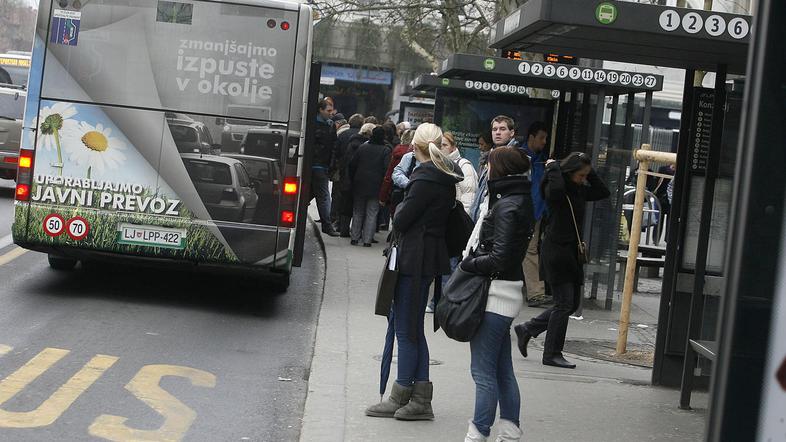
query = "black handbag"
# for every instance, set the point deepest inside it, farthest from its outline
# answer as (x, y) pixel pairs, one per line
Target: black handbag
(459, 229)
(463, 304)
(387, 283)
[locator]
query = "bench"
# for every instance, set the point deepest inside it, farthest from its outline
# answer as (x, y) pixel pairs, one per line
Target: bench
(641, 261)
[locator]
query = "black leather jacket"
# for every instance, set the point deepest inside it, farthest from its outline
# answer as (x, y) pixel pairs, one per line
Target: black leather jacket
(506, 230)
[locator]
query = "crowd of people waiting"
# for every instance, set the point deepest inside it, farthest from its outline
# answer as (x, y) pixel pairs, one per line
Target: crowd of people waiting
(528, 211)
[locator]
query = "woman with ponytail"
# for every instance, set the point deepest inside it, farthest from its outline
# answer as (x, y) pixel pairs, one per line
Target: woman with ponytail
(420, 223)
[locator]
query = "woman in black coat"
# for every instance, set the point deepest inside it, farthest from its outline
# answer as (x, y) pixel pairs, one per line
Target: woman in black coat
(501, 246)
(421, 223)
(345, 186)
(570, 184)
(367, 170)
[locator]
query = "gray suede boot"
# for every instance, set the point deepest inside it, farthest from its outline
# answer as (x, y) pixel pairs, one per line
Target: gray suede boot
(399, 397)
(419, 406)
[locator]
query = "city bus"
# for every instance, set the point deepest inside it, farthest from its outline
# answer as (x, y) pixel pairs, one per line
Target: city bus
(126, 104)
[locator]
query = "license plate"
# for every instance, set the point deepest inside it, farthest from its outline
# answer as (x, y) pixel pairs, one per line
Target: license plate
(151, 236)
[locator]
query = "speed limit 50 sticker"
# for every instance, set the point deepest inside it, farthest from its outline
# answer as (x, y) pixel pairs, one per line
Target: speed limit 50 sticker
(54, 225)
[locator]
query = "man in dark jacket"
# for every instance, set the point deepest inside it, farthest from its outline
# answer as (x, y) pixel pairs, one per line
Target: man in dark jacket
(324, 147)
(367, 169)
(535, 148)
(339, 165)
(503, 132)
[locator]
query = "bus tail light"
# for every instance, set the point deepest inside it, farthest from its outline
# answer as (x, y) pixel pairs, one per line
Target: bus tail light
(288, 218)
(22, 192)
(290, 186)
(24, 175)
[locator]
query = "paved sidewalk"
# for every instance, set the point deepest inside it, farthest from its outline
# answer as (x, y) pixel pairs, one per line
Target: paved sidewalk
(599, 401)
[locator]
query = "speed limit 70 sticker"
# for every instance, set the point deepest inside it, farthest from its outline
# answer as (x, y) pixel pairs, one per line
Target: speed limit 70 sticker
(77, 228)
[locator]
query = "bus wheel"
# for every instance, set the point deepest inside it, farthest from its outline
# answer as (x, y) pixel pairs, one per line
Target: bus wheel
(61, 263)
(279, 284)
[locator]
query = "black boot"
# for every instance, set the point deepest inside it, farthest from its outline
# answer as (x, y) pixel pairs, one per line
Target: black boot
(523, 337)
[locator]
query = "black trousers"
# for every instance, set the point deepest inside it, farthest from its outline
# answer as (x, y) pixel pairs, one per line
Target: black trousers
(554, 321)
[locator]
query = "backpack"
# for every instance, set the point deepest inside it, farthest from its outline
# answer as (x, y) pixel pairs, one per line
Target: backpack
(458, 230)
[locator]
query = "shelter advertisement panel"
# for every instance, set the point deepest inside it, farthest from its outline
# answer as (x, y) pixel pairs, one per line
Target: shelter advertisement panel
(467, 115)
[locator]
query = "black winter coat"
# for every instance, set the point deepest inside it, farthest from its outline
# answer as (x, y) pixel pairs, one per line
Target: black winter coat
(506, 230)
(559, 258)
(324, 143)
(355, 141)
(367, 169)
(421, 222)
(340, 160)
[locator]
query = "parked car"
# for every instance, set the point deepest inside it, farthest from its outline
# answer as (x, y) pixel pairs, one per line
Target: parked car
(12, 107)
(224, 186)
(268, 141)
(235, 128)
(191, 136)
(267, 178)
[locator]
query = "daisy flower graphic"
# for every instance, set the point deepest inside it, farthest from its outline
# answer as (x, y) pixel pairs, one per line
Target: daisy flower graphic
(55, 122)
(95, 147)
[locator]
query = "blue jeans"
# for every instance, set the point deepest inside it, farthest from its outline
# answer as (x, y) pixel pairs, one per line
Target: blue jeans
(492, 371)
(413, 356)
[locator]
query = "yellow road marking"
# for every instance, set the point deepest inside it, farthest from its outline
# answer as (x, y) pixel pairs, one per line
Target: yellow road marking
(12, 255)
(145, 386)
(53, 407)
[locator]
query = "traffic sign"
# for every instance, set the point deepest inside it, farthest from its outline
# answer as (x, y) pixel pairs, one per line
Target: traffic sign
(77, 228)
(54, 225)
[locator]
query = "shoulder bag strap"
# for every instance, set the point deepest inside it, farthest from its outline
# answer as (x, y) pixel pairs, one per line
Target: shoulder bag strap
(573, 215)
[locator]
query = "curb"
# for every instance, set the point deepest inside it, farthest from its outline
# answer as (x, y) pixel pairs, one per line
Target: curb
(324, 414)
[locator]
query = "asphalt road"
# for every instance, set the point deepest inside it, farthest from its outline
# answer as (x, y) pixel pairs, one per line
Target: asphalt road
(115, 353)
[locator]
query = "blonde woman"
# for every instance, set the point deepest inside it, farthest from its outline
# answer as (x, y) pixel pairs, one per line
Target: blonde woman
(420, 221)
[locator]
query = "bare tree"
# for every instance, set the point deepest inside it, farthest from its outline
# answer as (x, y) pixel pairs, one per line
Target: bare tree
(431, 28)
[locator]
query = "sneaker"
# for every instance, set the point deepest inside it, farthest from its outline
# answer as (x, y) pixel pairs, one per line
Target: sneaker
(353, 242)
(366, 245)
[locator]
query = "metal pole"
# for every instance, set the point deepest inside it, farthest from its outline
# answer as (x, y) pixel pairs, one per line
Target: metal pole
(710, 177)
(645, 125)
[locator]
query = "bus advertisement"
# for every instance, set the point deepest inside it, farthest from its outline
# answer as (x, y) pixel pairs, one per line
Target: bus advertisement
(122, 148)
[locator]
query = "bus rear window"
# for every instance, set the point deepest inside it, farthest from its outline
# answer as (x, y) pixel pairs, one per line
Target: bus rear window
(202, 57)
(209, 172)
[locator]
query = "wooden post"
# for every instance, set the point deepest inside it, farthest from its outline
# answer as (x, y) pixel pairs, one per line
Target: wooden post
(633, 252)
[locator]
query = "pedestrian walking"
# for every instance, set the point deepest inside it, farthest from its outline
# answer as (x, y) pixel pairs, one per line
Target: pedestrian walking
(501, 239)
(535, 148)
(420, 222)
(399, 151)
(567, 186)
(324, 149)
(367, 169)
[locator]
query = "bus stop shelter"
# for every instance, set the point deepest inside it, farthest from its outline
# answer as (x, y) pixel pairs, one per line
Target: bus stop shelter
(581, 98)
(693, 40)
